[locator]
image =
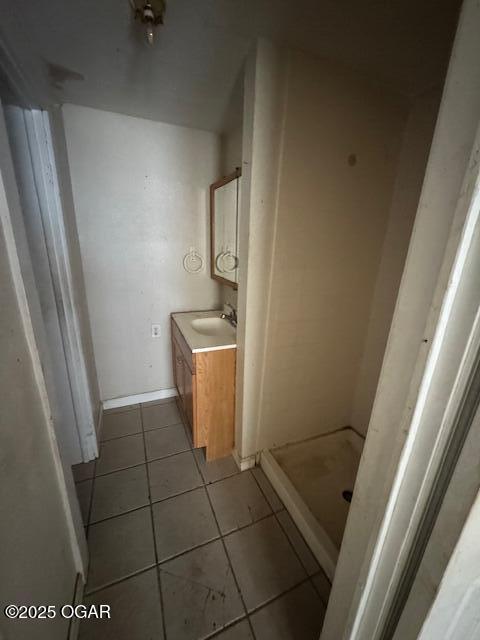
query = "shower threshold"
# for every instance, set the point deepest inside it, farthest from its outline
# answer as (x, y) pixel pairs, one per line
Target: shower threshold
(314, 478)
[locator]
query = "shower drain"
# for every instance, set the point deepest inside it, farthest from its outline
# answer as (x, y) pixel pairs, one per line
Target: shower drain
(347, 495)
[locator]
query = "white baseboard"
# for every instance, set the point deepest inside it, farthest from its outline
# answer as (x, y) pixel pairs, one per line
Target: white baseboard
(244, 463)
(322, 547)
(126, 401)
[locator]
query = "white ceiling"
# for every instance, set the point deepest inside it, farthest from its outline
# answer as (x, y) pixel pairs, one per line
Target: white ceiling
(91, 53)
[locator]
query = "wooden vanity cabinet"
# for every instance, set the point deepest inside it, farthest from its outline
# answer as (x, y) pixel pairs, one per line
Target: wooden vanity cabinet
(205, 382)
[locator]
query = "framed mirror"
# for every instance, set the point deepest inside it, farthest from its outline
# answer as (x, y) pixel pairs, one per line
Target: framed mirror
(224, 208)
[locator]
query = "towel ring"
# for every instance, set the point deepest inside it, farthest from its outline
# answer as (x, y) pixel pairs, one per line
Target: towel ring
(193, 261)
(222, 265)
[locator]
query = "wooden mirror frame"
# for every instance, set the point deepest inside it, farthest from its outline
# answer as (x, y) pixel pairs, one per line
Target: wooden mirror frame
(213, 187)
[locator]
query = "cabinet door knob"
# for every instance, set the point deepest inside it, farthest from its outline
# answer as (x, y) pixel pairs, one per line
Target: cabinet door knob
(179, 359)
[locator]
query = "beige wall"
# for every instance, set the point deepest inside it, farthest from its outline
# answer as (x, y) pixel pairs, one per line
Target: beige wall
(417, 137)
(416, 312)
(331, 221)
(231, 149)
(265, 78)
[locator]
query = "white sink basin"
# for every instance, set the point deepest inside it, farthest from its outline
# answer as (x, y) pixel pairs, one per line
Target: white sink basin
(213, 327)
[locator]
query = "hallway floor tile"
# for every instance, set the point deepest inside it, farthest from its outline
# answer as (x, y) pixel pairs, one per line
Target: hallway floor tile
(183, 549)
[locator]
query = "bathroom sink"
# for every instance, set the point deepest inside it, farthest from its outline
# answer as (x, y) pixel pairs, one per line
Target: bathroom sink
(213, 327)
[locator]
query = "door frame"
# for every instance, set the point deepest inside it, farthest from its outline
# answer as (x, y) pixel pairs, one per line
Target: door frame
(46, 180)
(20, 273)
(455, 613)
(441, 418)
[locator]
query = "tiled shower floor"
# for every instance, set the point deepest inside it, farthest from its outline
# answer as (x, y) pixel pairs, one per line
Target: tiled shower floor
(183, 549)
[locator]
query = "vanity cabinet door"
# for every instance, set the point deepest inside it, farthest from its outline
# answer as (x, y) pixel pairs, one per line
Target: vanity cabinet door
(189, 402)
(179, 372)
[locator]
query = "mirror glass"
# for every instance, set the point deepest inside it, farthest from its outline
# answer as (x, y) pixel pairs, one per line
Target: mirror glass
(224, 203)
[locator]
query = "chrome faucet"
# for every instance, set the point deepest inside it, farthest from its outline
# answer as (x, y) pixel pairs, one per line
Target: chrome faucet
(232, 316)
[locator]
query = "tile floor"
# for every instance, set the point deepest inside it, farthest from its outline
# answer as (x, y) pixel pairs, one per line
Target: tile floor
(183, 549)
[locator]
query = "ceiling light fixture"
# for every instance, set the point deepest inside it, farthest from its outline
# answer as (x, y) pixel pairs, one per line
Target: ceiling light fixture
(150, 13)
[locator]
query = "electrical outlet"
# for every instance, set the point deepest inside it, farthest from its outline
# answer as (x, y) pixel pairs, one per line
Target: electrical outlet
(156, 331)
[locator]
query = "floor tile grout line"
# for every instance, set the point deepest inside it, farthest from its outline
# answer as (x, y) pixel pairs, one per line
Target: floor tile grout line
(227, 477)
(282, 528)
(154, 502)
(278, 596)
(189, 550)
(73, 603)
(130, 466)
(113, 583)
(220, 537)
(170, 497)
(246, 526)
(263, 491)
(228, 626)
(174, 495)
(260, 607)
(85, 479)
(146, 461)
(145, 505)
(142, 409)
(321, 570)
(142, 430)
(139, 572)
(309, 577)
(325, 604)
(171, 455)
(163, 426)
(125, 435)
(226, 553)
(152, 519)
(128, 408)
(90, 504)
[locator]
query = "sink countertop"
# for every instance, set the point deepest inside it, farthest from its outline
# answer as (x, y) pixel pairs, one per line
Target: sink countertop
(199, 342)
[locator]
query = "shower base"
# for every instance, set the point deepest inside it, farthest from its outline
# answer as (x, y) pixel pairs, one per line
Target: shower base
(313, 477)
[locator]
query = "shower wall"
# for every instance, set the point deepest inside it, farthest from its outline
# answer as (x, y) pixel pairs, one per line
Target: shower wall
(340, 148)
(412, 162)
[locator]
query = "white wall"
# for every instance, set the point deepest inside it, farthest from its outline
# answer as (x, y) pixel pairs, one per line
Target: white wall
(141, 198)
